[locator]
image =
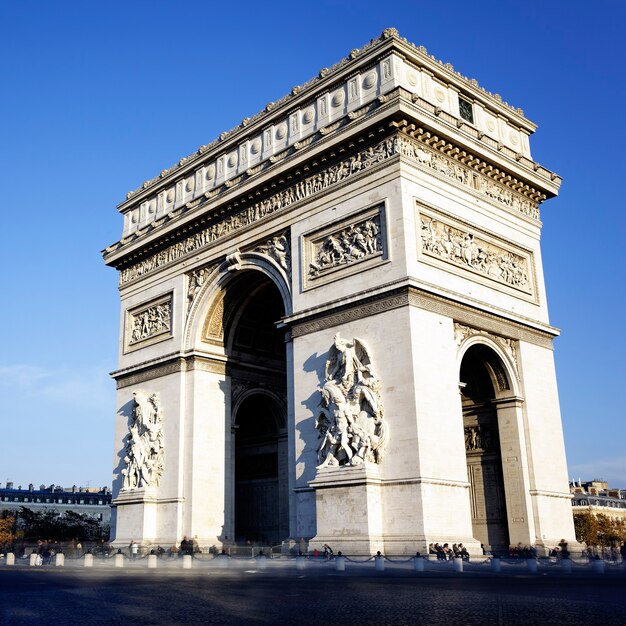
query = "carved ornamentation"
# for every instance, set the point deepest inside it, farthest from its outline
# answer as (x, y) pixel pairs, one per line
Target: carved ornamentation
(508, 346)
(197, 278)
(356, 242)
(350, 416)
(154, 320)
(148, 323)
(144, 446)
(466, 249)
(479, 439)
(416, 150)
(237, 220)
(452, 168)
(279, 249)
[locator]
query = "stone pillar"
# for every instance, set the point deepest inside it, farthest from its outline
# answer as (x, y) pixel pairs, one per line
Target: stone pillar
(515, 471)
(379, 563)
(187, 561)
(10, 558)
(458, 564)
(88, 560)
(119, 560)
(59, 560)
(496, 565)
(33, 559)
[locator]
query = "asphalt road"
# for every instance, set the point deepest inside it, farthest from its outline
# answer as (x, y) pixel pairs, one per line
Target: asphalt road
(54, 596)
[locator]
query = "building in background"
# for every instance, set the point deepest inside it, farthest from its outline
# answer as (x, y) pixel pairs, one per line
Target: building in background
(595, 496)
(92, 501)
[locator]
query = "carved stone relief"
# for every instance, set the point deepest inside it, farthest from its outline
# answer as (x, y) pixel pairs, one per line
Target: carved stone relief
(453, 169)
(196, 280)
(357, 241)
(301, 190)
(479, 439)
(144, 447)
(509, 346)
(461, 247)
(279, 249)
(350, 415)
(418, 152)
(149, 323)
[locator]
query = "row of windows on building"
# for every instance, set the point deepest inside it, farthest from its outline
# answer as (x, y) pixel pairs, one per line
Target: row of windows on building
(53, 500)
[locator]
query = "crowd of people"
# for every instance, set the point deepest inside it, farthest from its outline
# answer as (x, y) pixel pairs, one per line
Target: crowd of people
(445, 552)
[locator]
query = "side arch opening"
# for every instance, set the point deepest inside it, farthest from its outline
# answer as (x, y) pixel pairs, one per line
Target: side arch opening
(483, 379)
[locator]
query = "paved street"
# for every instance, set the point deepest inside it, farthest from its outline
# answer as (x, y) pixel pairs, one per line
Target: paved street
(321, 596)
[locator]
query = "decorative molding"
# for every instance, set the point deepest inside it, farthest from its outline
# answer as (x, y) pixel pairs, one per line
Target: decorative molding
(301, 190)
(462, 246)
(357, 240)
(411, 296)
(508, 346)
(144, 452)
(426, 151)
(438, 155)
(148, 323)
(363, 308)
(350, 415)
(148, 371)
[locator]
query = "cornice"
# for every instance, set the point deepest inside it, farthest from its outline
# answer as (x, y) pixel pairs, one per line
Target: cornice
(388, 119)
(328, 78)
(396, 296)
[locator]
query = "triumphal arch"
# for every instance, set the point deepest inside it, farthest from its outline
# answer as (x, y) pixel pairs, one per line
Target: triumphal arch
(334, 324)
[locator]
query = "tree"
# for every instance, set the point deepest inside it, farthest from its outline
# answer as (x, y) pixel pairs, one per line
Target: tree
(598, 529)
(7, 530)
(52, 525)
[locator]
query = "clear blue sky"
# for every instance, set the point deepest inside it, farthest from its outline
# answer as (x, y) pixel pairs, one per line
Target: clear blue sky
(97, 97)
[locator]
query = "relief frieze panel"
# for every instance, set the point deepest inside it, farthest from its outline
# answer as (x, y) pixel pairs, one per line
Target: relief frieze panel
(418, 152)
(148, 323)
(345, 244)
(303, 189)
(479, 438)
(468, 177)
(467, 248)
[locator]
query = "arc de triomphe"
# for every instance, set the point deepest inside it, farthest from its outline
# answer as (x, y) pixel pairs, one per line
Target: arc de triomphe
(334, 324)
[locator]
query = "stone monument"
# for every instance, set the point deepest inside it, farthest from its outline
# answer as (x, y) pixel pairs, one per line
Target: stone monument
(334, 325)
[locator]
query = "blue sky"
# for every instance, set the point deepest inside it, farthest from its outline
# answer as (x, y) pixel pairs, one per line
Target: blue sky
(98, 97)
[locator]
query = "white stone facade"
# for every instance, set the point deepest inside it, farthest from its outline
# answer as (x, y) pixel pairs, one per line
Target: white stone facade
(362, 204)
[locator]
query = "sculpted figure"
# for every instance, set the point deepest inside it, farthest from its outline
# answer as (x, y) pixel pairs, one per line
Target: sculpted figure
(144, 446)
(350, 418)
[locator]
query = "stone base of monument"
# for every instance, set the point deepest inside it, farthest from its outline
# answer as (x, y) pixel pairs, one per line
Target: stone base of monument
(136, 516)
(349, 509)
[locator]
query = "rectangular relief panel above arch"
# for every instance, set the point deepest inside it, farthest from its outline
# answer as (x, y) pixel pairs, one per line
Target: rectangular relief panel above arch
(148, 323)
(356, 243)
(475, 254)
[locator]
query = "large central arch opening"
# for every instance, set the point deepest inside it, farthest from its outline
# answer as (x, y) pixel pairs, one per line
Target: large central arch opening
(256, 365)
(481, 373)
